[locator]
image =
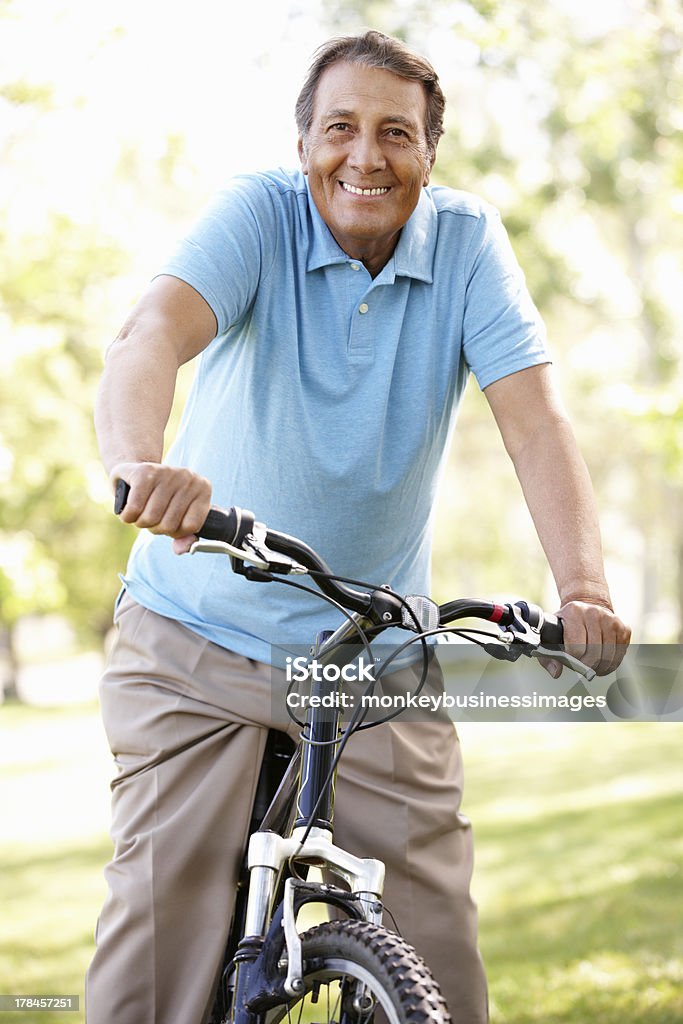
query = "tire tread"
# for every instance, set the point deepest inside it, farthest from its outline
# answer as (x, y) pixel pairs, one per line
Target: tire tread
(417, 992)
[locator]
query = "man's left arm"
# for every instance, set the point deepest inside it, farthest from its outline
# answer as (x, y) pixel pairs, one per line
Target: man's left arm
(557, 489)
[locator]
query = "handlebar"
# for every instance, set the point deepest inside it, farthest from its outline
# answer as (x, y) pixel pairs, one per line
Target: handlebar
(234, 531)
(224, 526)
(549, 626)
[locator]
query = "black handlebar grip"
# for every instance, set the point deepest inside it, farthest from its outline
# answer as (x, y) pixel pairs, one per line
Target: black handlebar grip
(221, 525)
(218, 525)
(552, 631)
(121, 496)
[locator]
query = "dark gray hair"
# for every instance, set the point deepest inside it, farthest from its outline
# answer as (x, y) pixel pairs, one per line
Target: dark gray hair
(375, 50)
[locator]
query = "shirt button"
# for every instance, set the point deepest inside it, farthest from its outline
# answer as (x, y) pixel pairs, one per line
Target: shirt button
(354, 266)
(363, 308)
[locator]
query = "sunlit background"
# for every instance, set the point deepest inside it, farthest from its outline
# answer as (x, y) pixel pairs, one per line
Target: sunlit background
(117, 123)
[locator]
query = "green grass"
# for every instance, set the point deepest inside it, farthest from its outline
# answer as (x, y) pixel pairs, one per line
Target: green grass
(579, 874)
(53, 844)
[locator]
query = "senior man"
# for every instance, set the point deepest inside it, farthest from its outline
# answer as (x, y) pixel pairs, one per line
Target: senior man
(339, 310)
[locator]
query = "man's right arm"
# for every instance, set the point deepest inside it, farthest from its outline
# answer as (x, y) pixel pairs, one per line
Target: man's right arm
(170, 325)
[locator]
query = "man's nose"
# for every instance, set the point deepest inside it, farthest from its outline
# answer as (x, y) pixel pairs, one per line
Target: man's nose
(366, 153)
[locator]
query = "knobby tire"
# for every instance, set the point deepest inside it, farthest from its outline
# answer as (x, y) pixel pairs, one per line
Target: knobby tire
(349, 951)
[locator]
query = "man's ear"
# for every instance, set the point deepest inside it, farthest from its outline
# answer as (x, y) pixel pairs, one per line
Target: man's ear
(428, 169)
(301, 149)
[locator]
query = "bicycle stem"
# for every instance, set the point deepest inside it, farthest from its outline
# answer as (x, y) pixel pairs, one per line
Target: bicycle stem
(315, 804)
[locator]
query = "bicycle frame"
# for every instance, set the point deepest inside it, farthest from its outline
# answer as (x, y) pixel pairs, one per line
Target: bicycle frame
(307, 788)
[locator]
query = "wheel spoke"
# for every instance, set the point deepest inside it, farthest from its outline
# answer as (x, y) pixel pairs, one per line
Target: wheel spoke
(337, 1002)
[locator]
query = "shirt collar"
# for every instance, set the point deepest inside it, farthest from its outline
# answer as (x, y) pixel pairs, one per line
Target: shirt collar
(412, 257)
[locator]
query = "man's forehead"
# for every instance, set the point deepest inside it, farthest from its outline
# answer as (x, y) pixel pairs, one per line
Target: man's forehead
(346, 89)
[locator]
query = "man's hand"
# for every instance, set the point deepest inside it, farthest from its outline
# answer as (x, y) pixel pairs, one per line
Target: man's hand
(593, 634)
(165, 499)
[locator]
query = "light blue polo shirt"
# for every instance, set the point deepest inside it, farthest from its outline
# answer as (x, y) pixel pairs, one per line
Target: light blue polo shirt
(326, 401)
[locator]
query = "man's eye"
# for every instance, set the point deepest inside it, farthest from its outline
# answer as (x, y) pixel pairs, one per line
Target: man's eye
(339, 126)
(397, 133)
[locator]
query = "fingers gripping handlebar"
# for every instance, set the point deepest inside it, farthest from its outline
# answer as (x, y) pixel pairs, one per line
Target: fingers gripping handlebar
(236, 528)
(218, 525)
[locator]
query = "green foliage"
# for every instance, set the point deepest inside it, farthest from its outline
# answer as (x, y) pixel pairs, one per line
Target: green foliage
(62, 267)
(58, 550)
(21, 92)
(55, 276)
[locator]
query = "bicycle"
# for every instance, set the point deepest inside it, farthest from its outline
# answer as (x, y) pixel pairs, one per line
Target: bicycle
(343, 970)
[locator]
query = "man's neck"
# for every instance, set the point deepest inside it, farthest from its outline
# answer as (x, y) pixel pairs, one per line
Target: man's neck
(373, 255)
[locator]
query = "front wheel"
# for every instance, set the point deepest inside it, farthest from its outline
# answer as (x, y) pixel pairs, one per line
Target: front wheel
(351, 969)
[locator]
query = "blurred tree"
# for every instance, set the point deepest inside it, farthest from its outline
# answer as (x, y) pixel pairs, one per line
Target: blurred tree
(56, 546)
(62, 296)
(616, 149)
(569, 120)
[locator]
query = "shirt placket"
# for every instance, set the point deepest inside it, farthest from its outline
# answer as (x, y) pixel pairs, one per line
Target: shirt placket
(363, 321)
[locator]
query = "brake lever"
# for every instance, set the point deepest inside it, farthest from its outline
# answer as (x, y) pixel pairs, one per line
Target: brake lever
(568, 660)
(221, 547)
(505, 647)
(254, 550)
(526, 639)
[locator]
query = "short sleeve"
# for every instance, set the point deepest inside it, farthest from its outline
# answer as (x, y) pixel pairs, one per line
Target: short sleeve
(502, 330)
(225, 255)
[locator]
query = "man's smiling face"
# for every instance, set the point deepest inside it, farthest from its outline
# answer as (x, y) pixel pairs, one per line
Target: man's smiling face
(366, 157)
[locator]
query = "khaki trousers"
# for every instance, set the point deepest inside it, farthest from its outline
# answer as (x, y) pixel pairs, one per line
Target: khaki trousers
(186, 721)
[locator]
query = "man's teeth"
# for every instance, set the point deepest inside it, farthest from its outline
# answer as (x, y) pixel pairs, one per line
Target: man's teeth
(364, 191)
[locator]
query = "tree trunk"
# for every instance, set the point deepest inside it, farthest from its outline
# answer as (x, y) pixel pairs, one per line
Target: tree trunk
(9, 667)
